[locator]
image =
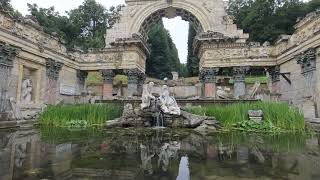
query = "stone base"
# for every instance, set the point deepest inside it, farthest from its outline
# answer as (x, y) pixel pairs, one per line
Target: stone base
(107, 91)
(147, 119)
(210, 90)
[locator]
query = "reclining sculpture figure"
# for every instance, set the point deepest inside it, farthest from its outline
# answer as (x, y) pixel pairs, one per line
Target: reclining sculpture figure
(168, 104)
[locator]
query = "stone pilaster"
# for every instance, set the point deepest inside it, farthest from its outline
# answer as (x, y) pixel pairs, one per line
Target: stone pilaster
(81, 76)
(108, 76)
(208, 76)
(134, 77)
(274, 75)
(307, 62)
(53, 86)
(239, 75)
(7, 56)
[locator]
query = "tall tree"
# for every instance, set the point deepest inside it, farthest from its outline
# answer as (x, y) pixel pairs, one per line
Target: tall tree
(164, 55)
(192, 60)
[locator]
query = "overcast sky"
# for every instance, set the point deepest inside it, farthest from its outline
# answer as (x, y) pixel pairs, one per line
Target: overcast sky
(177, 27)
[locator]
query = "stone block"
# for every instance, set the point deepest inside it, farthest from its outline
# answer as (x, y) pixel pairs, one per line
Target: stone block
(210, 90)
(107, 91)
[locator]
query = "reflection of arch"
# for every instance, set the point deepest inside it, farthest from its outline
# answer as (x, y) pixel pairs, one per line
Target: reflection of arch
(188, 11)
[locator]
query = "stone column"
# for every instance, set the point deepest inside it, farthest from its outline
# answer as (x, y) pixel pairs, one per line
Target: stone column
(142, 78)
(209, 76)
(81, 76)
(7, 55)
(274, 76)
(307, 62)
(108, 76)
(239, 84)
(53, 85)
(133, 80)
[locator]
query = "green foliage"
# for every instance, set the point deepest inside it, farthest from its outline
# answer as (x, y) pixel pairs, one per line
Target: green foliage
(94, 78)
(183, 70)
(192, 60)
(120, 80)
(278, 117)
(265, 20)
(164, 55)
(7, 7)
(84, 27)
(77, 124)
(67, 115)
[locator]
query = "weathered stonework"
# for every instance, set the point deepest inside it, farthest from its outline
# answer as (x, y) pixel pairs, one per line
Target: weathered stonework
(108, 76)
(207, 16)
(7, 56)
(209, 77)
(135, 81)
(218, 44)
(239, 74)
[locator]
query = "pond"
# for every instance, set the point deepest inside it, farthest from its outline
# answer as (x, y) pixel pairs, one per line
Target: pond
(148, 154)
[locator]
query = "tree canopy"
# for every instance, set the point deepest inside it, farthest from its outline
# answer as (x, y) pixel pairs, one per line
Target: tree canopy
(6, 6)
(164, 55)
(192, 60)
(265, 20)
(83, 27)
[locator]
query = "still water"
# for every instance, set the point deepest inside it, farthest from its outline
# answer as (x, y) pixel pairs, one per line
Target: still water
(166, 154)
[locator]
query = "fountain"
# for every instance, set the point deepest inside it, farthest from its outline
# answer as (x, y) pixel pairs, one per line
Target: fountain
(161, 112)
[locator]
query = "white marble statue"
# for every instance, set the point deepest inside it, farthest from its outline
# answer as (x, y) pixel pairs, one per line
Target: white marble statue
(168, 104)
(27, 91)
(147, 96)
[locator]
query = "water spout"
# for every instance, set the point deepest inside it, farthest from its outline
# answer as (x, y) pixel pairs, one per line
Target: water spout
(159, 120)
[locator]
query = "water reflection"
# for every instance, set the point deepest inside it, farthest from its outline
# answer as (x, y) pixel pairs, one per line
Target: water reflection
(155, 154)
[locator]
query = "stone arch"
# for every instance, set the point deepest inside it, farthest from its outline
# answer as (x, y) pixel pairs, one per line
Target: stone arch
(188, 11)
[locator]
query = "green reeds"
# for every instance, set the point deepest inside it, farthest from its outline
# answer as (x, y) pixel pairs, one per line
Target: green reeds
(277, 116)
(94, 115)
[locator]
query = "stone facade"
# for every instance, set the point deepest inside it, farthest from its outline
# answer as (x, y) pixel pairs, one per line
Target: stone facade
(57, 74)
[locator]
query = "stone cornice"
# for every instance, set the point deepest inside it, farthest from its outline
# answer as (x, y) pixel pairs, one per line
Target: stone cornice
(135, 40)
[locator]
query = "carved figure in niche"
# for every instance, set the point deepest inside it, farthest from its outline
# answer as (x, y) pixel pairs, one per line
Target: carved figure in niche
(147, 96)
(27, 91)
(168, 104)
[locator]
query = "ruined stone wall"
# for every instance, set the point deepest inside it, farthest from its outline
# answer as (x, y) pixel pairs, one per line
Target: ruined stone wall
(298, 58)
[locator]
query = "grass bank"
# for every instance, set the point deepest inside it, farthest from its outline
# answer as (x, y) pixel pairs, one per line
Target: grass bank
(278, 117)
(81, 114)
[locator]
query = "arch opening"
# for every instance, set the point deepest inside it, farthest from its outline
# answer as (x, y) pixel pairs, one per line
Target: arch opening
(169, 13)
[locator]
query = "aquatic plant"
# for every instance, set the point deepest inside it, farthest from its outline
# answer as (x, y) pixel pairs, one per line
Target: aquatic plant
(277, 116)
(93, 115)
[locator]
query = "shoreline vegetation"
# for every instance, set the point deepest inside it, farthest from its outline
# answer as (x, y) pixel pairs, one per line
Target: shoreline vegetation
(278, 117)
(79, 115)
